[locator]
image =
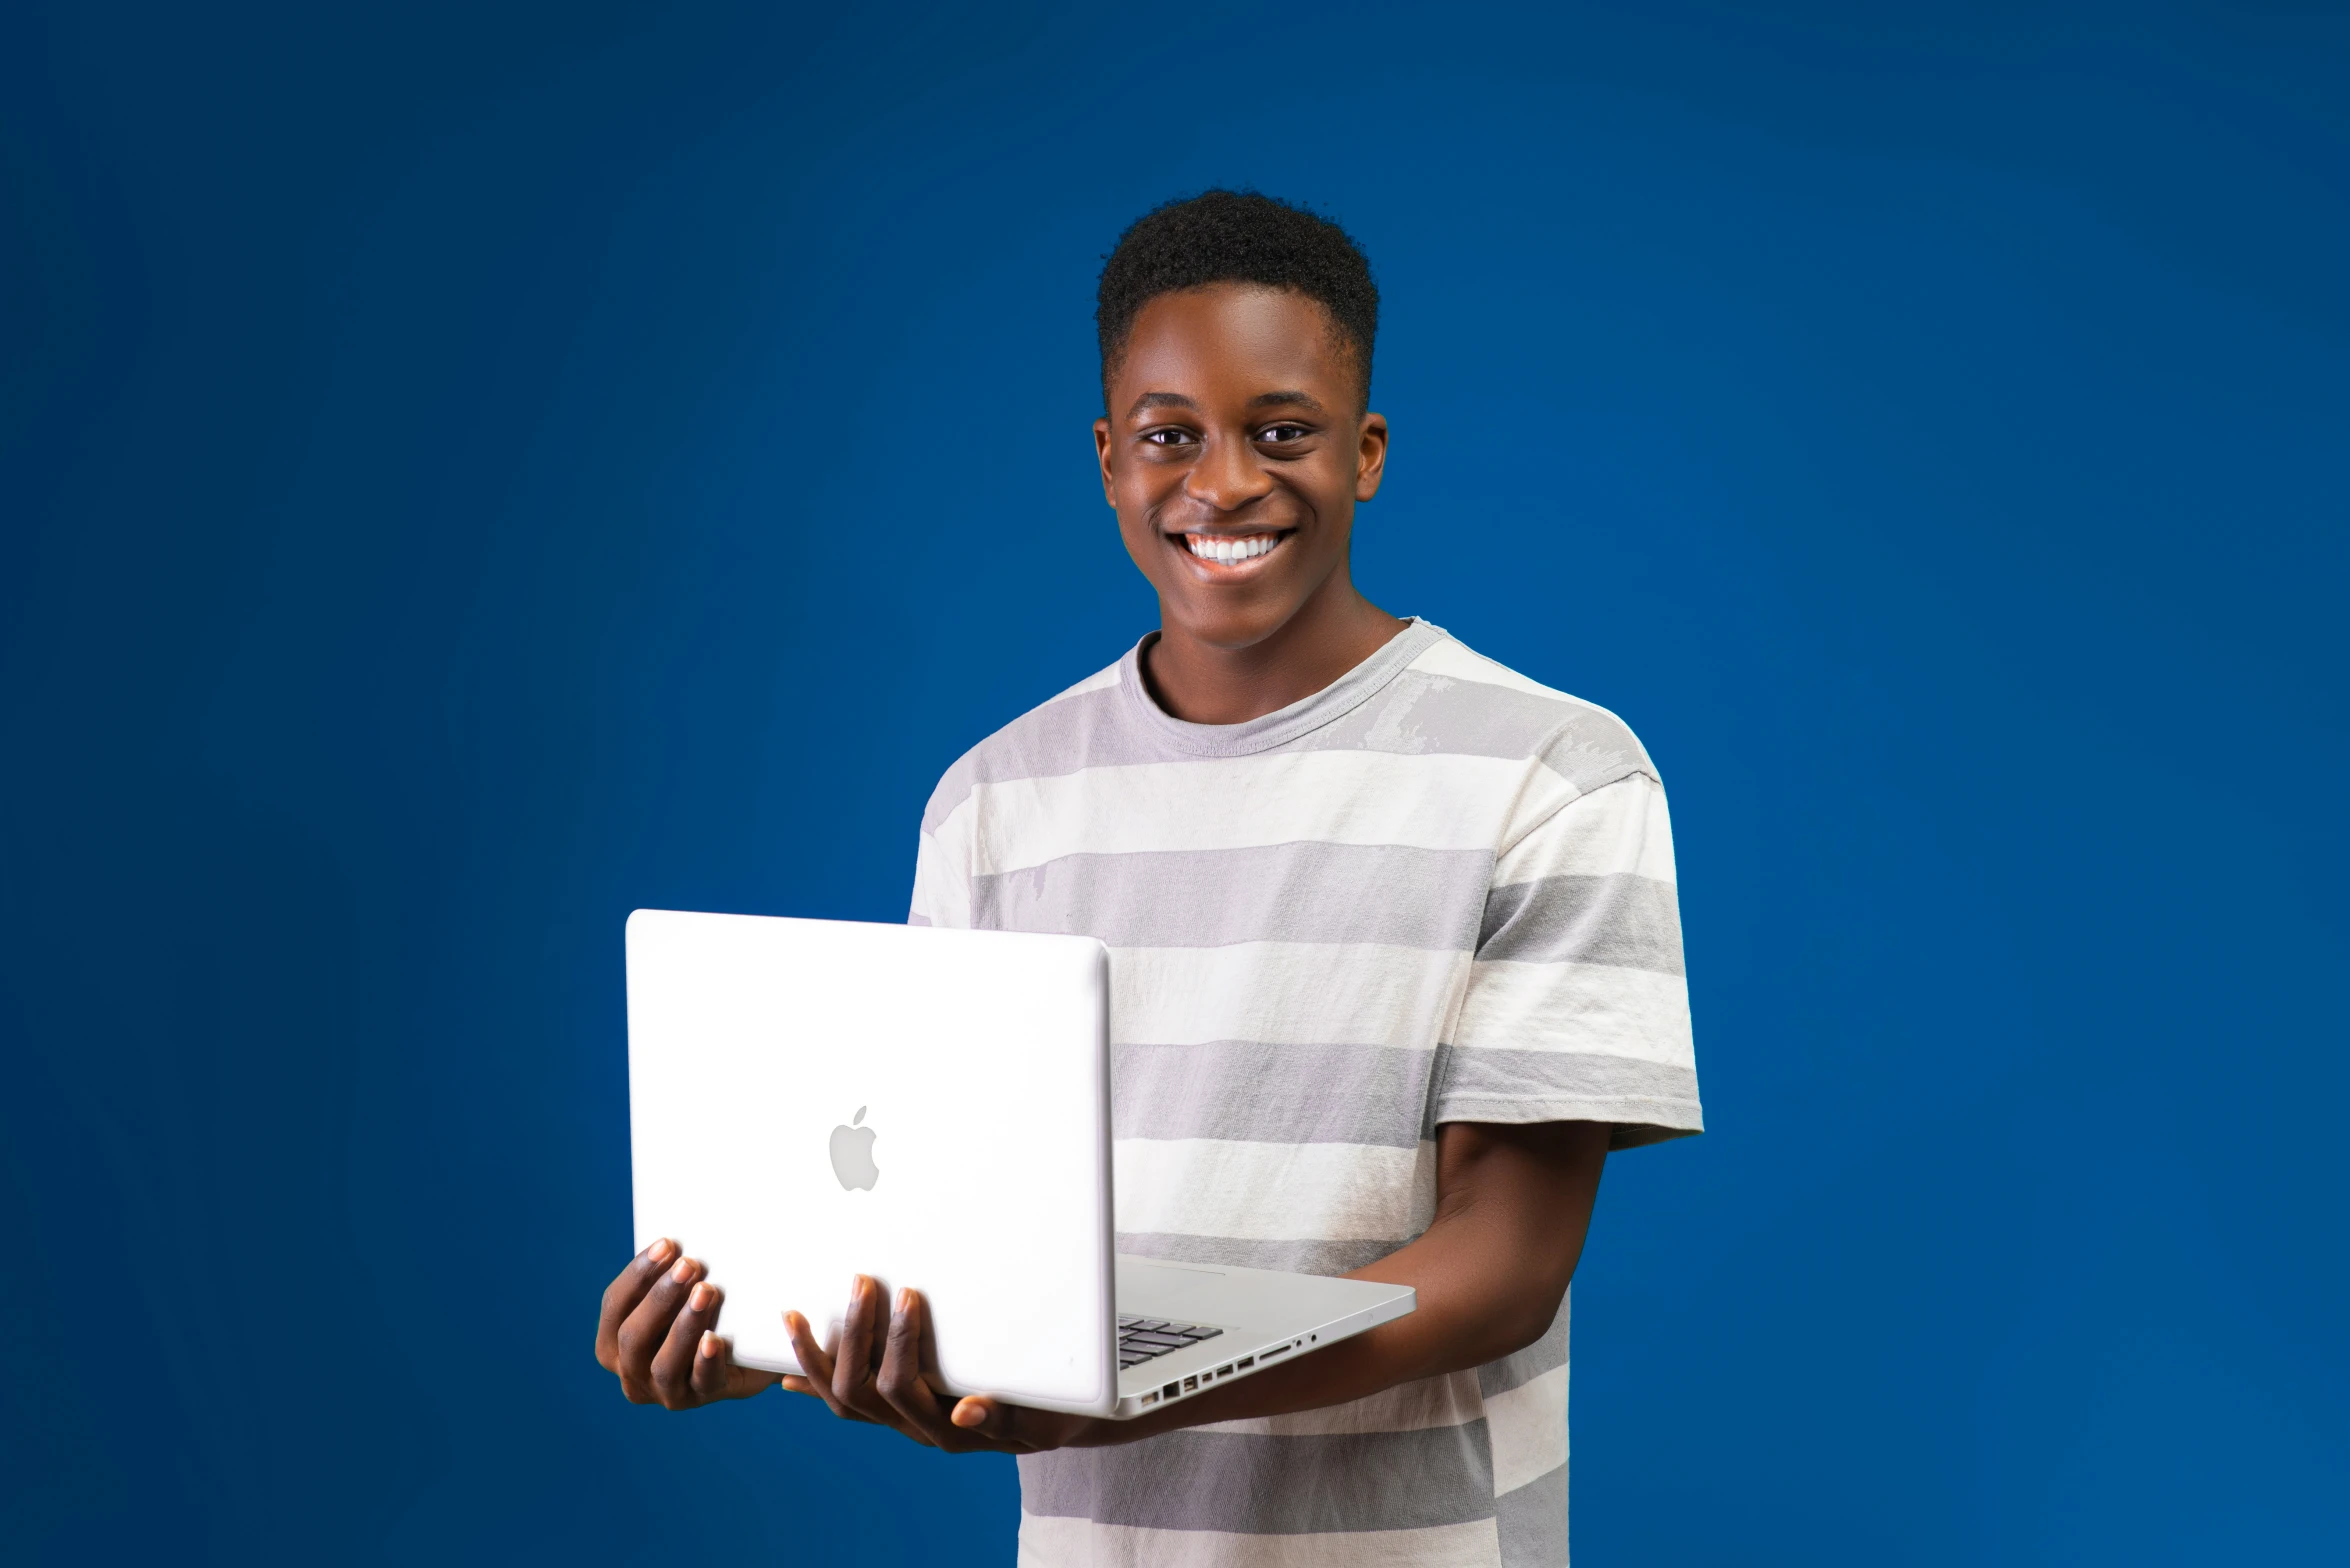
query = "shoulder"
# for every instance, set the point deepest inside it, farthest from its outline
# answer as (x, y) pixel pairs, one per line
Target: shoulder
(1452, 698)
(1073, 729)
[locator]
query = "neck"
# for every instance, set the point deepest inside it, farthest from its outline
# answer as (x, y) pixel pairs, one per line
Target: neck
(1212, 683)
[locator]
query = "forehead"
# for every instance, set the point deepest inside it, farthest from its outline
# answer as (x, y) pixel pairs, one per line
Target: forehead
(1234, 339)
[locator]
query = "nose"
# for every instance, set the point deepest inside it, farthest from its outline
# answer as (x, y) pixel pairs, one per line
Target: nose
(1228, 476)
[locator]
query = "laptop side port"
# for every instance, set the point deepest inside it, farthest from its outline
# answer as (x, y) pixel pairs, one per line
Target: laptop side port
(1190, 1383)
(1171, 1390)
(1245, 1362)
(1150, 1399)
(1225, 1370)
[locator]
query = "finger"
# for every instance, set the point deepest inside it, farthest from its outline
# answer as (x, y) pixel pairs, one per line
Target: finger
(1019, 1429)
(715, 1376)
(979, 1419)
(710, 1367)
(901, 1380)
(715, 1373)
(988, 1423)
(793, 1383)
(673, 1363)
(815, 1365)
(853, 1359)
(646, 1329)
(622, 1296)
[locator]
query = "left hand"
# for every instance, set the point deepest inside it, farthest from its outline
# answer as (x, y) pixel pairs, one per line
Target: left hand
(876, 1372)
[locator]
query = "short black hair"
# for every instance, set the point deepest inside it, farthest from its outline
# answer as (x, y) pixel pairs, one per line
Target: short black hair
(1222, 236)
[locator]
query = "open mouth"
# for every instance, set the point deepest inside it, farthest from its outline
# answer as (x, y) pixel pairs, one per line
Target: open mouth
(1231, 550)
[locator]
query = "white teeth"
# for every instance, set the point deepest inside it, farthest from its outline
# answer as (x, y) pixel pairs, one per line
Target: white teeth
(1228, 551)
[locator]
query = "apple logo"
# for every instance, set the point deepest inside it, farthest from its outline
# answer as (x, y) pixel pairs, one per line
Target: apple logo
(852, 1155)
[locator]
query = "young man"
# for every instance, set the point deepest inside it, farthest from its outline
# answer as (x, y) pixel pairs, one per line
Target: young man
(1396, 961)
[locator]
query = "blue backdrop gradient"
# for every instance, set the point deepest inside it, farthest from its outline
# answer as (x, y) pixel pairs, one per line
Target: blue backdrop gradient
(468, 472)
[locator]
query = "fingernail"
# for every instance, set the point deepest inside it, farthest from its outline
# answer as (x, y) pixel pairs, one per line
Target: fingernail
(659, 1252)
(793, 1323)
(905, 1301)
(967, 1414)
(684, 1270)
(699, 1300)
(709, 1345)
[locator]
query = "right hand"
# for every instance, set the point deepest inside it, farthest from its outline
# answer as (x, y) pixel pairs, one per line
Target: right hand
(659, 1335)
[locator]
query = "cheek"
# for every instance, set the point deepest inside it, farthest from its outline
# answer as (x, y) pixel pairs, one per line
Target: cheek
(1137, 491)
(1139, 482)
(1333, 485)
(1142, 544)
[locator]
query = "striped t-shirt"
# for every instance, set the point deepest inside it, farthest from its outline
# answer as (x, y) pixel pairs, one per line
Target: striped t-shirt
(1434, 891)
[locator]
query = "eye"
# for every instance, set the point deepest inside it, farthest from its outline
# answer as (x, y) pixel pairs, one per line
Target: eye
(1283, 432)
(1167, 437)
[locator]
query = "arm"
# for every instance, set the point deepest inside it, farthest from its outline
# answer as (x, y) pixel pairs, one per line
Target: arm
(1512, 1206)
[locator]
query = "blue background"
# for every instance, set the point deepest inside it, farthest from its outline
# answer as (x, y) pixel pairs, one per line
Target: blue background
(470, 472)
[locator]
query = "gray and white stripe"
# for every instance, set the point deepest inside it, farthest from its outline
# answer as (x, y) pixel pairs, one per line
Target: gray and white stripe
(1436, 891)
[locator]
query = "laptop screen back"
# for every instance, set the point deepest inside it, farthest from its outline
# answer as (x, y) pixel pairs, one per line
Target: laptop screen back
(813, 1099)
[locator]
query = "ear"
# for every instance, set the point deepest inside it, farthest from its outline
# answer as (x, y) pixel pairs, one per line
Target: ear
(1370, 456)
(1101, 453)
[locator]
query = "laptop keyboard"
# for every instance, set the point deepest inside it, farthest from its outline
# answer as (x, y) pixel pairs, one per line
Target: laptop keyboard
(1141, 1339)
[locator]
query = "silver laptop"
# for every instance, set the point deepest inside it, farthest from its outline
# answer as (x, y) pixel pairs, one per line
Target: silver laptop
(815, 1099)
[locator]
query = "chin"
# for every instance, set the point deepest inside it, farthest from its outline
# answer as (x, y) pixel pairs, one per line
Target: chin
(1227, 624)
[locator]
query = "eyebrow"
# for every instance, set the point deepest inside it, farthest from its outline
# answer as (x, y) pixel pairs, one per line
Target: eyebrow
(1160, 400)
(1288, 399)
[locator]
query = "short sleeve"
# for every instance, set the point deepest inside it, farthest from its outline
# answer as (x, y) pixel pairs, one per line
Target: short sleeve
(1577, 1007)
(942, 895)
(942, 854)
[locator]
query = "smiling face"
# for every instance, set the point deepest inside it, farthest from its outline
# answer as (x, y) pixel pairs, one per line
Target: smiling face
(1235, 450)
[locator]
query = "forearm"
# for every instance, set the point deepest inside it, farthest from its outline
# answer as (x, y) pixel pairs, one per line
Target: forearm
(1490, 1274)
(1461, 1321)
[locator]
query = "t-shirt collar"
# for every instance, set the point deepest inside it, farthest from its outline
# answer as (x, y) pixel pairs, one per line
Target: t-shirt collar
(1302, 717)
